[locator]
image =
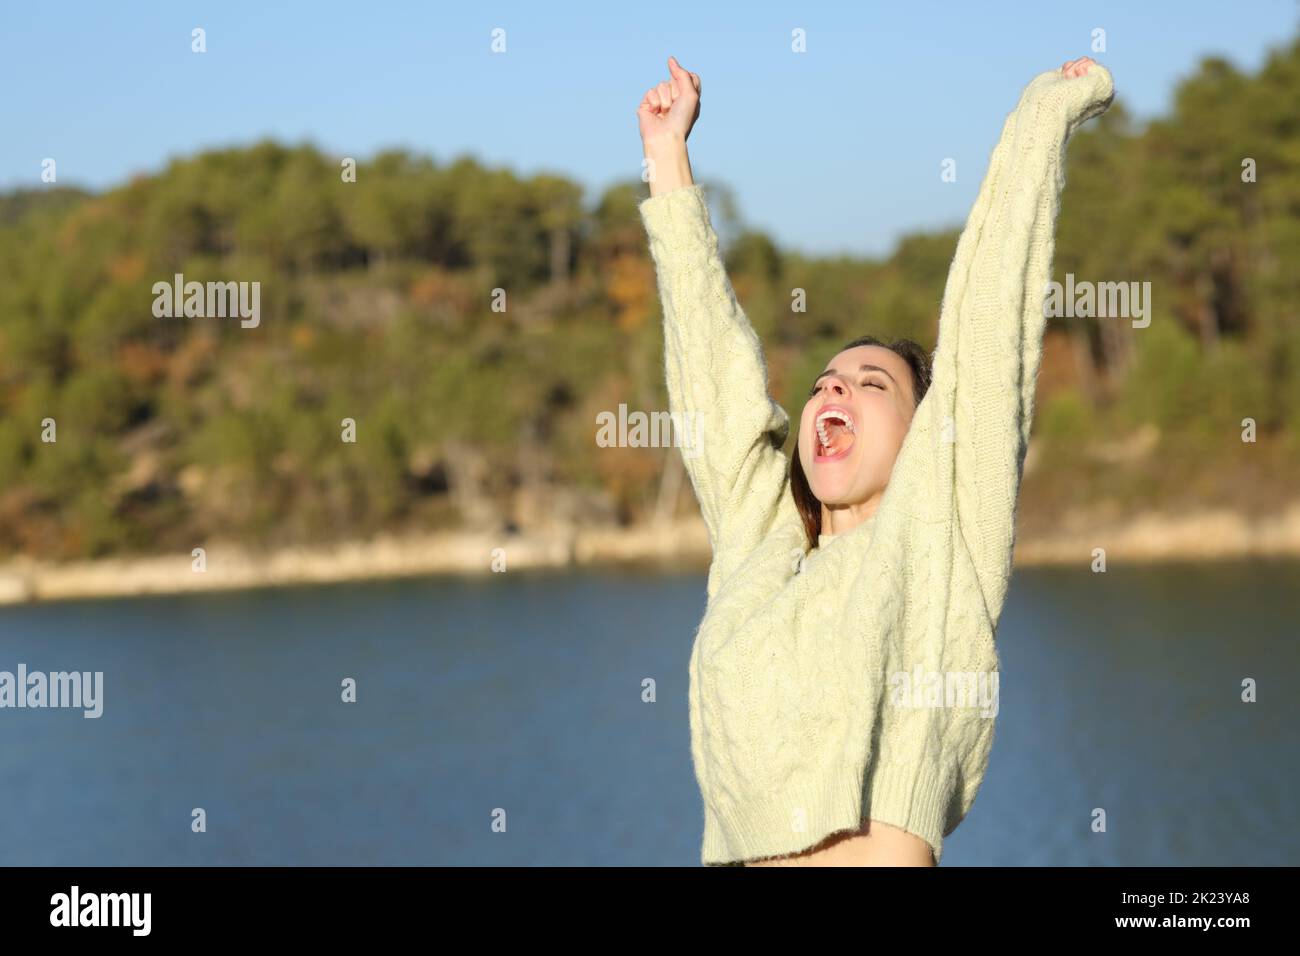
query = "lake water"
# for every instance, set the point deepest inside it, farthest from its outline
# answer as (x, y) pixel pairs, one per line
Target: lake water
(524, 692)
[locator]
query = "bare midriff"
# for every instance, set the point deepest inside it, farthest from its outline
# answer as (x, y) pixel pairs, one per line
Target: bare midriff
(875, 844)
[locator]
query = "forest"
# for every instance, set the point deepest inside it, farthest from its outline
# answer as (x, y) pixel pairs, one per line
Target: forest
(474, 326)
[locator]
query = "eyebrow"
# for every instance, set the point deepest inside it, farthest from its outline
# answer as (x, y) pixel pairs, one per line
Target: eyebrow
(864, 368)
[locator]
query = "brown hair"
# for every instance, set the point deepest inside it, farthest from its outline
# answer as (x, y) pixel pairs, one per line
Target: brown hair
(810, 509)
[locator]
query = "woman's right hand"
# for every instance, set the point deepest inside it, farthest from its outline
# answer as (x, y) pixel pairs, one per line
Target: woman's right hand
(670, 109)
(666, 116)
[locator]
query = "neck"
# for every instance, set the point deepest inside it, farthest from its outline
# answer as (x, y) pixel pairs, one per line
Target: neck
(839, 519)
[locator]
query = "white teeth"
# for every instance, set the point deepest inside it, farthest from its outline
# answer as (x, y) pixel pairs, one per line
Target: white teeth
(832, 415)
(838, 416)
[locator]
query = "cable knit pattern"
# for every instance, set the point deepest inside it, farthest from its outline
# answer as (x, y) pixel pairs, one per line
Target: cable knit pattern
(796, 728)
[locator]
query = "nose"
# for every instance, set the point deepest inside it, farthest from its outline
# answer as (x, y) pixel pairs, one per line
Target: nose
(838, 387)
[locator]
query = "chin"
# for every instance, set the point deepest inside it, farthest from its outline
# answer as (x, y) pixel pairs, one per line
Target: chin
(837, 499)
(832, 483)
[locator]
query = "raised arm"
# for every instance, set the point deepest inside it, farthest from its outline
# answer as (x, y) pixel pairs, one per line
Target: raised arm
(975, 432)
(713, 360)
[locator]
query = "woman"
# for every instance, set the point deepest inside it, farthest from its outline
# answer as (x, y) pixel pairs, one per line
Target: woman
(839, 680)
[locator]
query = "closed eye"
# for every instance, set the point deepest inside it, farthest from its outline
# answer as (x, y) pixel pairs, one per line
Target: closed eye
(872, 382)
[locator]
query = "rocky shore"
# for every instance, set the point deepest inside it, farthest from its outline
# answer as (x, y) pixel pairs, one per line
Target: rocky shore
(1206, 535)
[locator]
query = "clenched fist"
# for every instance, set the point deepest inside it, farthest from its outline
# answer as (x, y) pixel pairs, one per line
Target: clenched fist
(670, 109)
(1079, 67)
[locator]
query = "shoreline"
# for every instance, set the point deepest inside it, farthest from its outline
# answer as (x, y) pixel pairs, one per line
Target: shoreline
(1213, 534)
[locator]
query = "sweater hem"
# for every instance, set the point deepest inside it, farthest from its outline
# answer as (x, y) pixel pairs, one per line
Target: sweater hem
(802, 815)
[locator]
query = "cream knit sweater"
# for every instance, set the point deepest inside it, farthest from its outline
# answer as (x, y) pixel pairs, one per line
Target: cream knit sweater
(801, 723)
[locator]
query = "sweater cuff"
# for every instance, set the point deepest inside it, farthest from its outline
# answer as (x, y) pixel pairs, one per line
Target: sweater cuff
(910, 798)
(1076, 98)
(678, 217)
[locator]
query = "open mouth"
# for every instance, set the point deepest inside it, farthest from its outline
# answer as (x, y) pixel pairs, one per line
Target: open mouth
(836, 433)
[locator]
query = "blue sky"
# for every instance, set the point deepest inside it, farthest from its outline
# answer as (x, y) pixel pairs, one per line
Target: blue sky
(834, 150)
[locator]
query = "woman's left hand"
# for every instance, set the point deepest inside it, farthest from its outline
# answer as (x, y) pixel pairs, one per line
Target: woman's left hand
(1077, 67)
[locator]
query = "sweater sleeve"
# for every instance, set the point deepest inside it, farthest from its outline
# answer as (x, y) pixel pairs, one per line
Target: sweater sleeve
(716, 375)
(985, 367)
